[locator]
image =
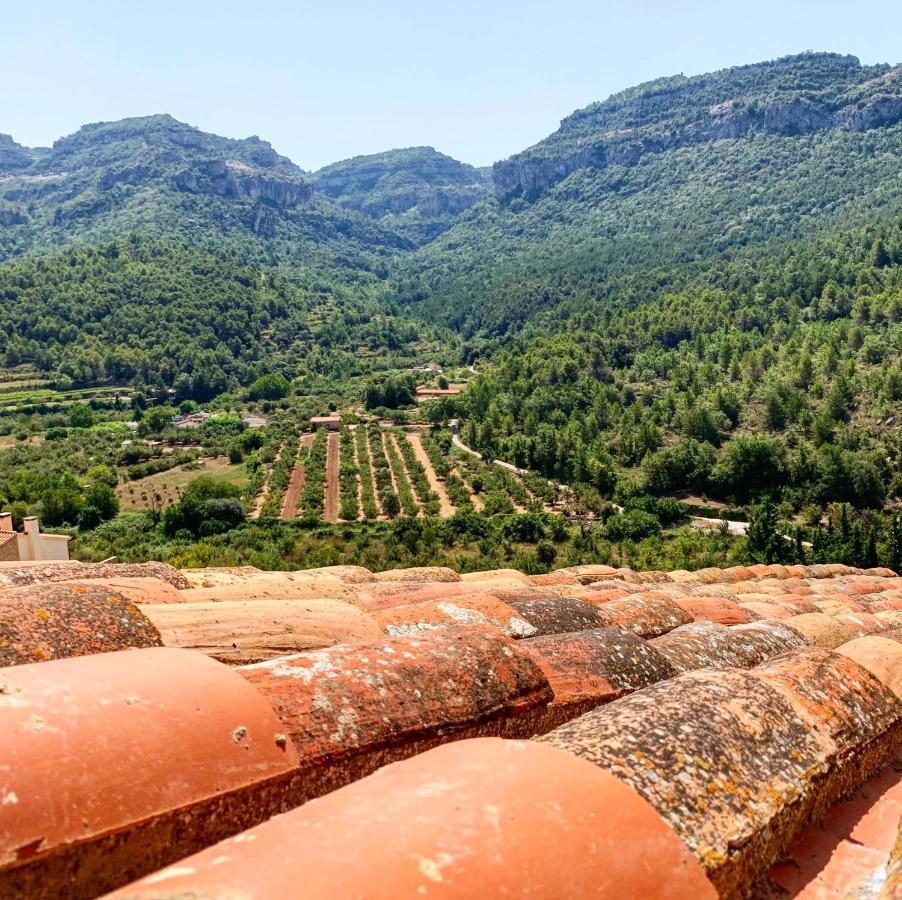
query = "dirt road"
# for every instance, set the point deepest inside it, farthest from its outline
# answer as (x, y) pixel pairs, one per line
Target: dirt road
(332, 477)
(437, 487)
(293, 494)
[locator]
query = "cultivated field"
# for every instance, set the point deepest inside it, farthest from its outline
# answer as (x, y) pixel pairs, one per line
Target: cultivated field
(167, 486)
(376, 472)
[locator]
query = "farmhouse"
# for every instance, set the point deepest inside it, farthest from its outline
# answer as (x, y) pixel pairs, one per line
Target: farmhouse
(428, 393)
(332, 422)
(31, 544)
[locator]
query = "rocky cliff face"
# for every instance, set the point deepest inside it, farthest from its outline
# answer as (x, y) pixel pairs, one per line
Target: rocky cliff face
(795, 96)
(229, 178)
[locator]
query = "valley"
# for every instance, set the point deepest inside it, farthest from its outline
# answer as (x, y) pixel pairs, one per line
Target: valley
(691, 291)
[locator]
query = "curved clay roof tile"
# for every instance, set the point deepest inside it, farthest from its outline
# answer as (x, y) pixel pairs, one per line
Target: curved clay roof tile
(645, 615)
(115, 764)
(469, 609)
(722, 756)
(881, 655)
(699, 645)
(560, 614)
(53, 621)
(821, 630)
(366, 704)
(588, 668)
(481, 818)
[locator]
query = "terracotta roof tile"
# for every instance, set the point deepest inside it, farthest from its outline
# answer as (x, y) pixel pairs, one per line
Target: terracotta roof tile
(503, 576)
(39, 573)
(861, 623)
(847, 854)
(554, 579)
(645, 615)
(246, 631)
(762, 640)
(274, 586)
(478, 818)
(418, 574)
(701, 645)
(821, 630)
(844, 702)
(588, 573)
(116, 764)
(469, 609)
(736, 783)
(378, 701)
(880, 655)
(560, 614)
(51, 621)
(387, 595)
(588, 668)
(139, 590)
(760, 610)
(735, 761)
(716, 609)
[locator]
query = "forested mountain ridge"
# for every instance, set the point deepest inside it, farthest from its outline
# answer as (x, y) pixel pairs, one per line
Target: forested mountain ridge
(506, 262)
(791, 96)
(778, 373)
(157, 175)
(416, 191)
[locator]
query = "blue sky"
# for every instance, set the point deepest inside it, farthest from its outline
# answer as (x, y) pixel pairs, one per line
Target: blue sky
(325, 81)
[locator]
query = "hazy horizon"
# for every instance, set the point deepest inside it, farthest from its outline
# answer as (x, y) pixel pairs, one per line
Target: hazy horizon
(477, 84)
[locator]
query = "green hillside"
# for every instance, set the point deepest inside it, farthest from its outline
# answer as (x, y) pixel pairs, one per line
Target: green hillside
(416, 192)
(682, 195)
(159, 176)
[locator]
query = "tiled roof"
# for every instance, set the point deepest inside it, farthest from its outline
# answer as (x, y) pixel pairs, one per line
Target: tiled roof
(341, 733)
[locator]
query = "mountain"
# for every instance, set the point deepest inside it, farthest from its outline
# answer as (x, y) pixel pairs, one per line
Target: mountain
(160, 176)
(791, 96)
(416, 192)
(677, 171)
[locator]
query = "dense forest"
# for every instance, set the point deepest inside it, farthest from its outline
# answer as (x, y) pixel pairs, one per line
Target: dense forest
(777, 373)
(157, 314)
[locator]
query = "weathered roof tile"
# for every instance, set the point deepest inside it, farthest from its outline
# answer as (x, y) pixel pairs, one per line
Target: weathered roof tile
(700, 645)
(389, 594)
(246, 631)
(51, 621)
(469, 609)
(722, 756)
(824, 631)
(762, 640)
(273, 586)
(560, 614)
(418, 574)
(880, 655)
(39, 573)
(644, 614)
(373, 702)
(716, 609)
(588, 668)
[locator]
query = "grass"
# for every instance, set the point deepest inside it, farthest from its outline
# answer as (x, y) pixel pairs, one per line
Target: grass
(168, 485)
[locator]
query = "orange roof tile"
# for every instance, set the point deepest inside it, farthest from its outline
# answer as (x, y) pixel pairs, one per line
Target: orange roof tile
(50, 621)
(504, 819)
(119, 763)
(766, 727)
